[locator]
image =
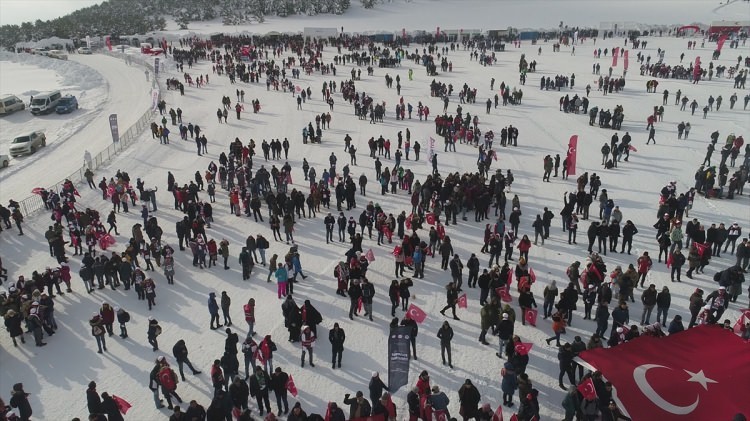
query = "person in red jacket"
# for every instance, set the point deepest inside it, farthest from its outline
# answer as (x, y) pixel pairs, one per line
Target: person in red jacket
(644, 265)
(523, 247)
(213, 252)
(423, 383)
(107, 314)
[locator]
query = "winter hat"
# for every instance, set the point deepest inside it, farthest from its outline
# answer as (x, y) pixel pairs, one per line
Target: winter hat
(117, 309)
(375, 374)
(92, 385)
(228, 331)
(619, 330)
(435, 389)
(150, 319)
(722, 288)
(505, 316)
(359, 394)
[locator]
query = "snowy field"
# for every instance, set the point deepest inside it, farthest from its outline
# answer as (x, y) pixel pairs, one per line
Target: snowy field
(57, 375)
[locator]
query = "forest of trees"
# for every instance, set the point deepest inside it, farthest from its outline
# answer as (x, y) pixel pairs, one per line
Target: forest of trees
(127, 17)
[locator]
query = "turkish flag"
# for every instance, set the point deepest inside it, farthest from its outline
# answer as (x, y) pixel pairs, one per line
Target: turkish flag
(523, 348)
(615, 54)
(430, 218)
(462, 302)
(291, 387)
(504, 293)
(122, 405)
(396, 250)
(744, 318)
(359, 304)
(700, 374)
(416, 313)
(532, 275)
(587, 389)
(626, 60)
(702, 248)
(530, 316)
(669, 260)
(509, 281)
(572, 154)
(498, 415)
(632, 148)
(370, 256)
(407, 222)
(514, 417)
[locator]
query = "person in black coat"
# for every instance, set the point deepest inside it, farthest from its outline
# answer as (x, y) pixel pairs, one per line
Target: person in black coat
(376, 387)
(278, 384)
(20, 400)
(239, 393)
(195, 412)
(359, 407)
(92, 399)
(469, 397)
(109, 407)
(259, 385)
(311, 317)
(337, 337)
(445, 334)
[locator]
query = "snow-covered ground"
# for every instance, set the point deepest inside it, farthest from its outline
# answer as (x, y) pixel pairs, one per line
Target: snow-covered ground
(57, 375)
(103, 86)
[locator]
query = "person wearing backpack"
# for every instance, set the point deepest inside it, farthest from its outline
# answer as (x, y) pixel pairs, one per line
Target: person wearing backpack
(122, 318)
(154, 330)
(98, 331)
(168, 380)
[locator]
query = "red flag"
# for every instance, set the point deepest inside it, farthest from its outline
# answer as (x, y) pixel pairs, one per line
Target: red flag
(572, 154)
(587, 389)
(37, 190)
(514, 417)
(359, 304)
(75, 192)
(697, 68)
(625, 62)
(720, 42)
(498, 415)
(291, 387)
(108, 41)
(430, 218)
(122, 405)
(523, 348)
(615, 54)
(632, 148)
(669, 260)
(396, 250)
(699, 374)
(328, 412)
(509, 281)
(370, 256)
(408, 221)
(416, 313)
(531, 315)
(744, 318)
(532, 275)
(462, 302)
(259, 356)
(702, 248)
(504, 293)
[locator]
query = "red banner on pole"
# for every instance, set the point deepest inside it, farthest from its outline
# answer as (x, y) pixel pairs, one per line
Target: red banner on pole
(615, 54)
(625, 64)
(572, 154)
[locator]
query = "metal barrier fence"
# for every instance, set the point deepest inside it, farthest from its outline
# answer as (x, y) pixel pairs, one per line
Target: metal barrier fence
(34, 203)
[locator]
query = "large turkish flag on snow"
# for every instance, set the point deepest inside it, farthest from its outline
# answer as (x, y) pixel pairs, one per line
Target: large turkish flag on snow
(699, 374)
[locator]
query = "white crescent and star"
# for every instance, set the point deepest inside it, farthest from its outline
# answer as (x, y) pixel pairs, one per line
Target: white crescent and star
(639, 375)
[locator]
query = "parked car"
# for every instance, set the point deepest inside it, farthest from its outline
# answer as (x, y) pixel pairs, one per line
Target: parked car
(45, 103)
(84, 50)
(4, 161)
(58, 54)
(28, 144)
(67, 104)
(10, 104)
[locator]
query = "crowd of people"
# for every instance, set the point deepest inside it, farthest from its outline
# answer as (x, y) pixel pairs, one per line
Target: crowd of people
(422, 230)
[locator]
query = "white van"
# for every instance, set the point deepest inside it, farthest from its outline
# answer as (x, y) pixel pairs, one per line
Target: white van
(10, 104)
(45, 103)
